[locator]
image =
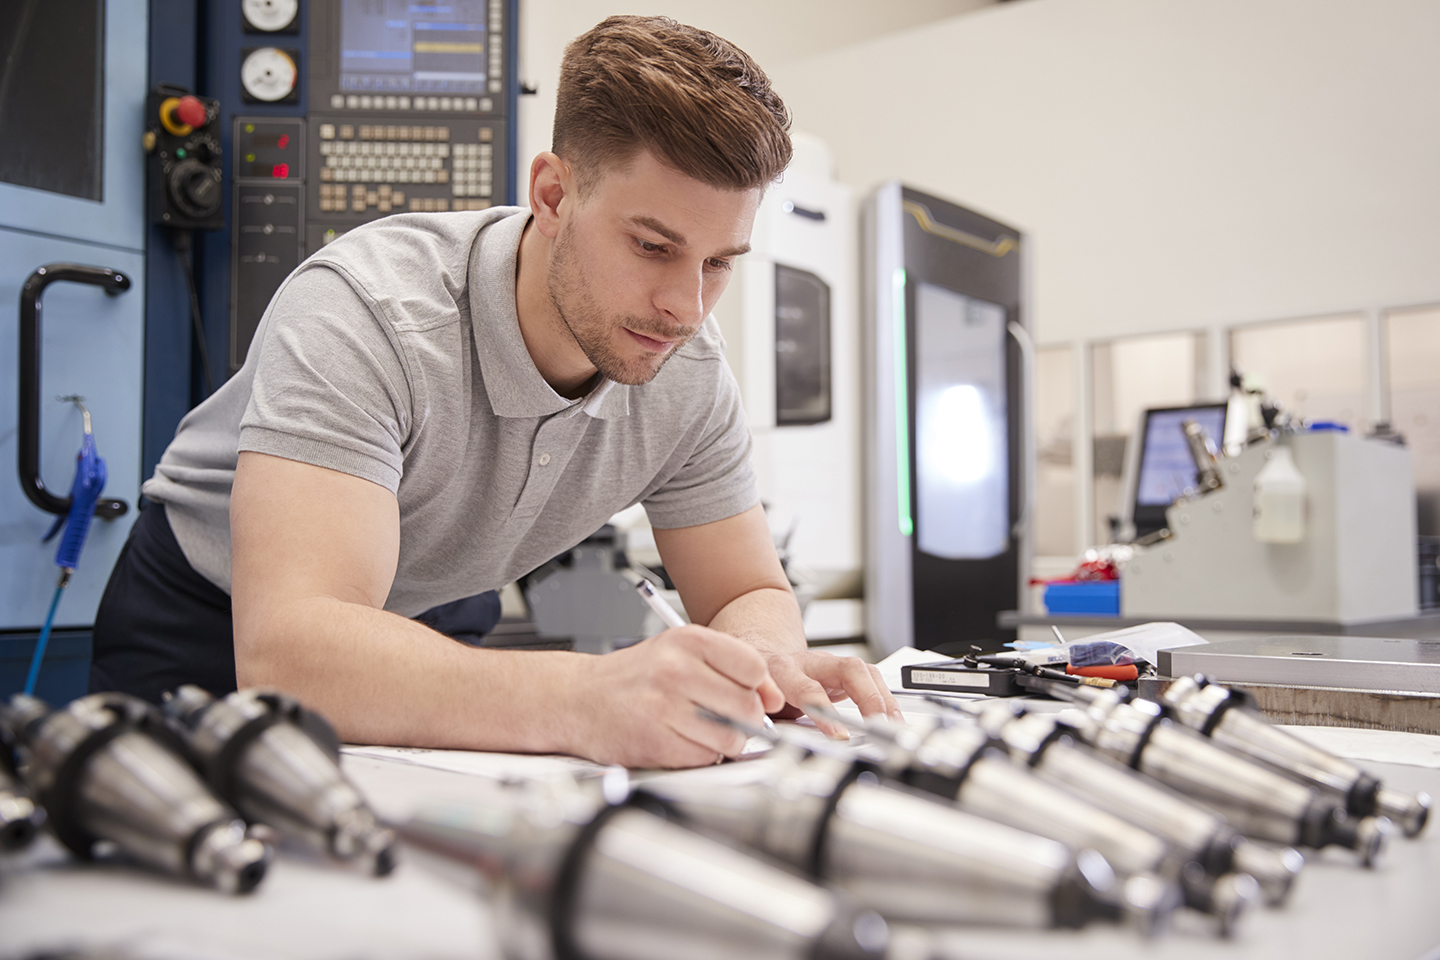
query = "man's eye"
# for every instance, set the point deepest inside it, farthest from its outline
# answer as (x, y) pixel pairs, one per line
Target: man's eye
(717, 264)
(649, 247)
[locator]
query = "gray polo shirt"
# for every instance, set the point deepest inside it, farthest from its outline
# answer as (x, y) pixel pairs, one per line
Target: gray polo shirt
(394, 354)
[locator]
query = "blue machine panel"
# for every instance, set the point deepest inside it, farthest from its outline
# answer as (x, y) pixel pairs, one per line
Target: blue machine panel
(118, 218)
(91, 343)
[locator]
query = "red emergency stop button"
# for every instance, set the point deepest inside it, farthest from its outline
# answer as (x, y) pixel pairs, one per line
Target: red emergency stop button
(190, 111)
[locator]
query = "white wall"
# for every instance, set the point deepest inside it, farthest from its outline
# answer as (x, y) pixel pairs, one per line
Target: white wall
(1175, 163)
(773, 32)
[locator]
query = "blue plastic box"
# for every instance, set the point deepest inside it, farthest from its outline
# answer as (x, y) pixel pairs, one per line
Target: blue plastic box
(1096, 597)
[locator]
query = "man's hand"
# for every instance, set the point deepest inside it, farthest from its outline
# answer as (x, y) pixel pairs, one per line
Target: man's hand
(641, 706)
(814, 676)
(730, 579)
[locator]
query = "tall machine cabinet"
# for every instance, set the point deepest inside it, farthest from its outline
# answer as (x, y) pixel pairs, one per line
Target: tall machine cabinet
(320, 115)
(339, 112)
(947, 426)
(71, 201)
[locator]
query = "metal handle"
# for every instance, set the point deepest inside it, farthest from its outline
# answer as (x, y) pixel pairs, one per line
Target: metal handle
(112, 282)
(1027, 425)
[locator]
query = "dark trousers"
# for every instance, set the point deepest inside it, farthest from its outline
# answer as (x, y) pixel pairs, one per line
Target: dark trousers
(161, 624)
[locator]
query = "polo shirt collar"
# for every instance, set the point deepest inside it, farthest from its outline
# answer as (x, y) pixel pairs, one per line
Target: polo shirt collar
(512, 382)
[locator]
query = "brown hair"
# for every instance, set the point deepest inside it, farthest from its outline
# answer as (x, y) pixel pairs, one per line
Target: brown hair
(694, 100)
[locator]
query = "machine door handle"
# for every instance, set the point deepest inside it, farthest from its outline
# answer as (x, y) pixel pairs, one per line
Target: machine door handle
(112, 282)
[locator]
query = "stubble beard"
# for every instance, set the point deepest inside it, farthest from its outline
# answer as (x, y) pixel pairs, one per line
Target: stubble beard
(586, 321)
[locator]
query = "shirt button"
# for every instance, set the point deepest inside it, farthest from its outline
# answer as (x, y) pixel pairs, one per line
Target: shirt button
(544, 459)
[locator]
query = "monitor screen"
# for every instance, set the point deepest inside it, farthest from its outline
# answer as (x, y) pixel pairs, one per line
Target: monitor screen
(414, 46)
(1166, 468)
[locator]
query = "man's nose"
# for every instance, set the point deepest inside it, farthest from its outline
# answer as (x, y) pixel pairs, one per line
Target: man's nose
(681, 297)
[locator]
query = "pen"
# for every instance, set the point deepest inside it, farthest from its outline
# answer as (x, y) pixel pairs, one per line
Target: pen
(655, 602)
(667, 614)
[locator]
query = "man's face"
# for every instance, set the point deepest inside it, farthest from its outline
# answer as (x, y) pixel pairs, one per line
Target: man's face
(639, 262)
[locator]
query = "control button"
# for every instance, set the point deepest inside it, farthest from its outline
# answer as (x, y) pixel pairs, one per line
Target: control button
(337, 101)
(442, 176)
(487, 105)
(365, 131)
(402, 133)
(367, 102)
(352, 102)
(347, 132)
(327, 173)
(443, 133)
(458, 189)
(472, 104)
(327, 132)
(486, 134)
(397, 198)
(484, 189)
(404, 103)
(372, 197)
(443, 150)
(190, 111)
(392, 103)
(419, 103)
(432, 103)
(445, 103)
(495, 86)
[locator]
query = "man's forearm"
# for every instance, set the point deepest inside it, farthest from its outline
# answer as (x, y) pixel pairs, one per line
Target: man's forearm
(767, 618)
(381, 678)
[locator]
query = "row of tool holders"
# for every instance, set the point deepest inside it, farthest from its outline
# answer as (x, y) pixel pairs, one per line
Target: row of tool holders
(1121, 811)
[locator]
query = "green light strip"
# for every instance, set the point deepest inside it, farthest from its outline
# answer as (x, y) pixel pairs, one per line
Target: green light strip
(902, 410)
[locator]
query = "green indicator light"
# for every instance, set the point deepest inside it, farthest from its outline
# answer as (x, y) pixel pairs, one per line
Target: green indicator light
(249, 128)
(249, 158)
(902, 409)
(180, 153)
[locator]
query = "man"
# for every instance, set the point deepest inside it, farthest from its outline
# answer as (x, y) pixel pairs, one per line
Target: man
(435, 405)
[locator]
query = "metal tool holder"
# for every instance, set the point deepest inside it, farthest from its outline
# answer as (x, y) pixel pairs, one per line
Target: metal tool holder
(907, 856)
(1213, 854)
(278, 764)
(108, 771)
(1227, 717)
(576, 878)
(1257, 801)
(961, 762)
(20, 818)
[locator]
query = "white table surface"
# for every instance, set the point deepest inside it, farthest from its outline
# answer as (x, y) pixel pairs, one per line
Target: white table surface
(306, 908)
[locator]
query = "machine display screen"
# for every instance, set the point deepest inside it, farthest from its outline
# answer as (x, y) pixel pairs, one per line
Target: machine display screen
(1166, 467)
(414, 46)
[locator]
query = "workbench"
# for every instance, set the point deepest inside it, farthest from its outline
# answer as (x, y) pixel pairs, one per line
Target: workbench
(307, 908)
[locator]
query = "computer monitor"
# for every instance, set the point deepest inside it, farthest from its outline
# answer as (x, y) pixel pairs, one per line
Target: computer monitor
(1164, 469)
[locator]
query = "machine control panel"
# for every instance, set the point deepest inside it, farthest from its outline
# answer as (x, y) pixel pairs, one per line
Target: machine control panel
(267, 220)
(183, 143)
(408, 111)
(399, 106)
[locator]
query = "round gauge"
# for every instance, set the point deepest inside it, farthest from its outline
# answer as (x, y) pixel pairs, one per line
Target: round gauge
(268, 74)
(268, 16)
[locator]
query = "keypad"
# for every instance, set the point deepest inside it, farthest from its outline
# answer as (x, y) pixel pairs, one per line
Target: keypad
(376, 161)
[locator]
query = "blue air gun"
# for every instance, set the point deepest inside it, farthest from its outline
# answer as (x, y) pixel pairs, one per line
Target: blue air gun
(85, 490)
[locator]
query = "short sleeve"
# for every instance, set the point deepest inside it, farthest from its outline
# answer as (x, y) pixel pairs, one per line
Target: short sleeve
(330, 383)
(717, 480)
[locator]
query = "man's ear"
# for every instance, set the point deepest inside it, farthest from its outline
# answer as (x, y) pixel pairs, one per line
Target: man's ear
(550, 184)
